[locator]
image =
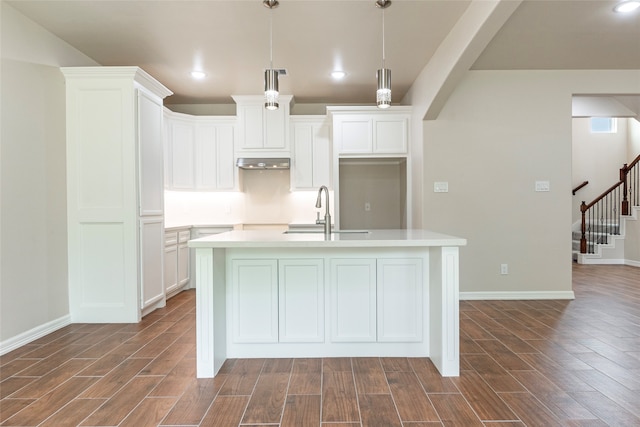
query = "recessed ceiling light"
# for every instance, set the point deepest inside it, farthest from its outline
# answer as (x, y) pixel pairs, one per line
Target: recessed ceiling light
(338, 74)
(198, 74)
(627, 6)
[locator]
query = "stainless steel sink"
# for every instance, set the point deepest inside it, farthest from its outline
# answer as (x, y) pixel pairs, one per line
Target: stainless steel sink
(322, 231)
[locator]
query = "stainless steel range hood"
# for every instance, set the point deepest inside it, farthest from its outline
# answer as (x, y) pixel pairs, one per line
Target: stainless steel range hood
(261, 163)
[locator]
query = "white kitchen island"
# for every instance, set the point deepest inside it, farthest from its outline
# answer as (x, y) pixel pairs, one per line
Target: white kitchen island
(383, 293)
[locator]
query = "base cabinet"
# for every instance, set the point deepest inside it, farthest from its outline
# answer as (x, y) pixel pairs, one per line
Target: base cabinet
(301, 300)
(183, 254)
(176, 261)
(170, 261)
(353, 300)
(399, 300)
(254, 293)
(295, 300)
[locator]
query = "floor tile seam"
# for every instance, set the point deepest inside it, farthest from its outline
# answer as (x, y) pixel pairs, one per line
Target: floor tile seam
(134, 408)
(559, 391)
(427, 394)
(124, 384)
(244, 412)
(71, 401)
(469, 404)
(608, 359)
(286, 393)
(612, 400)
(133, 356)
(58, 385)
(494, 391)
(49, 393)
(538, 400)
(393, 399)
(355, 388)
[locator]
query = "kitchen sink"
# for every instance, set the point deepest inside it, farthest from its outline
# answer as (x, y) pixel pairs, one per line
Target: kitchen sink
(322, 231)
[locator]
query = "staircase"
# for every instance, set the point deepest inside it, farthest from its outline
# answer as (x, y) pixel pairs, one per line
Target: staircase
(607, 245)
(599, 237)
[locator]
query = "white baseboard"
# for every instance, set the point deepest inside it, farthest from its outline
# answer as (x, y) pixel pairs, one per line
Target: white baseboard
(603, 261)
(632, 263)
(33, 334)
(536, 295)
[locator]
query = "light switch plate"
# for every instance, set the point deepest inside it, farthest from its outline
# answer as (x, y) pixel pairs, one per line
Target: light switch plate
(542, 186)
(441, 187)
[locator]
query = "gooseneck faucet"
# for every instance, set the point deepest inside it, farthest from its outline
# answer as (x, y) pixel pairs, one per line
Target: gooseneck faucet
(327, 216)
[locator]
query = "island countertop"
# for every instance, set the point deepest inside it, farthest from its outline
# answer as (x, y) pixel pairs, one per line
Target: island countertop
(344, 239)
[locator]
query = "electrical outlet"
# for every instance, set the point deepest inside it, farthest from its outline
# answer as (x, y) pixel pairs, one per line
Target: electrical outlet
(367, 206)
(504, 268)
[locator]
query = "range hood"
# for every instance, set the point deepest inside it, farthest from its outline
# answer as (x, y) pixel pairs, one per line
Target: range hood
(261, 163)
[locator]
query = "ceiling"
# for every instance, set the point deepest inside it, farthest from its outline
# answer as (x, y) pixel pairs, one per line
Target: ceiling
(229, 40)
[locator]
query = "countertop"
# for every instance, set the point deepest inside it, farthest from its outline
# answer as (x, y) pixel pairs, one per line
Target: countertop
(372, 238)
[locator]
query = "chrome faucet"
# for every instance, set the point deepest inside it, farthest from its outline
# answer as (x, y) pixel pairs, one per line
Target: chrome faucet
(327, 217)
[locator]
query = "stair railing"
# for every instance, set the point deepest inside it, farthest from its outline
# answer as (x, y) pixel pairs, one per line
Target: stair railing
(601, 217)
(579, 187)
(630, 175)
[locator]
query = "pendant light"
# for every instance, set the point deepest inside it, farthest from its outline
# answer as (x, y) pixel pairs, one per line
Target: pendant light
(271, 93)
(383, 75)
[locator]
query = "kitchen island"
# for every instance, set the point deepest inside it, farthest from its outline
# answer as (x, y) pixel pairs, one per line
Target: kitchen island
(382, 293)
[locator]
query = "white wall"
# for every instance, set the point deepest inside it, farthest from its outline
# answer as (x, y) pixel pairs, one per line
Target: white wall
(33, 233)
(597, 158)
(633, 133)
(499, 132)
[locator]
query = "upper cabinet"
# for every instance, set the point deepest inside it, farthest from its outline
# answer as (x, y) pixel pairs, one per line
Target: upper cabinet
(368, 131)
(199, 152)
(260, 130)
(311, 152)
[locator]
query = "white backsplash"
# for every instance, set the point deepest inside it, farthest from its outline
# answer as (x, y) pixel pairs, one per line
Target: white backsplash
(266, 199)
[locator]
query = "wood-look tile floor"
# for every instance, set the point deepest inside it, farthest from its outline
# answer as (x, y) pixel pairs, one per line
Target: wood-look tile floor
(523, 363)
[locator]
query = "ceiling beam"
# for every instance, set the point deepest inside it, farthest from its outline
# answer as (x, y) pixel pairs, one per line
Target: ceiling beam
(456, 54)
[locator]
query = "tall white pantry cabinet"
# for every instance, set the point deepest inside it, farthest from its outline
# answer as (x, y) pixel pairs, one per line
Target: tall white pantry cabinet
(115, 193)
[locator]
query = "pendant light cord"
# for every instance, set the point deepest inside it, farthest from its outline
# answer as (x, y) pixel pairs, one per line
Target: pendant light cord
(383, 49)
(271, 39)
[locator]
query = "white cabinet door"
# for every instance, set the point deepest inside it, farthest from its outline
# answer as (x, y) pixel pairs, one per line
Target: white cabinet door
(170, 261)
(390, 134)
(151, 173)
(353, 134)
(370, 131)
(182, 140)
(301, 297)
(322, 155)
(275, 128)
(251, 125)
(353, 300)
(302, 165)
(183, 258)
(254, 291)
(200, 152)
(205, 159)
(400, 300)
(262, 130)
(225, 168)
(311, 166)
(151, 257)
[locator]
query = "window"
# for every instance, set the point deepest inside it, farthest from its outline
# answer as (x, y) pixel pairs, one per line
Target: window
(603, 125)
